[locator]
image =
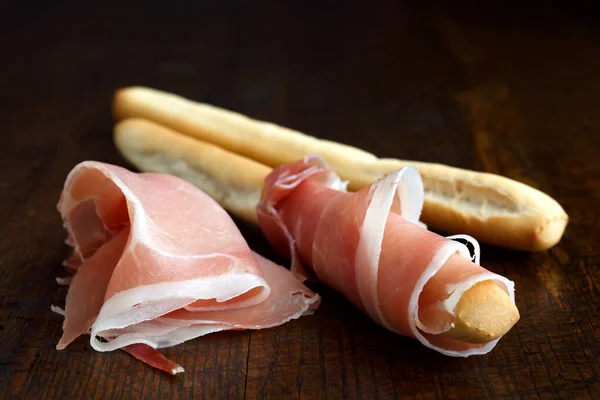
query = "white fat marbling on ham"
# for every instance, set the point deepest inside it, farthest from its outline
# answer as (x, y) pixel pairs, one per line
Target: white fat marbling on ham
(406, 187)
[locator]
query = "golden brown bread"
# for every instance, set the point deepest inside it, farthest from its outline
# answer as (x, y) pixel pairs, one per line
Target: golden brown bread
(236, 182)
(491, 208)
(233, 181)
(483, 313)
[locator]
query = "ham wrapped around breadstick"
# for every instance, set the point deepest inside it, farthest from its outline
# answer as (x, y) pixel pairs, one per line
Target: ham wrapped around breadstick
(370, 246)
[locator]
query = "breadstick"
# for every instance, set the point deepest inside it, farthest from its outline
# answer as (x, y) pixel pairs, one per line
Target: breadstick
(483, 313)
(491, 208)
(233, 181)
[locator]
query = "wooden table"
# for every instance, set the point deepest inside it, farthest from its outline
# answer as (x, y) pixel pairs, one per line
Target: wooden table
(514, 91)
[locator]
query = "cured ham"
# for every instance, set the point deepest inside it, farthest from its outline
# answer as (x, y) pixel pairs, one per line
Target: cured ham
(158, 262)
(370, 246)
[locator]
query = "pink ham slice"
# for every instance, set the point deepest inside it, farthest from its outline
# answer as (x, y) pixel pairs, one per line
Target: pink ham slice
(158, 262)
(371, 247)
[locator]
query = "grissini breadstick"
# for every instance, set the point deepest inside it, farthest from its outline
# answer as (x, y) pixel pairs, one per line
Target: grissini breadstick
(483, 312)
(233, 181)
(492, 208)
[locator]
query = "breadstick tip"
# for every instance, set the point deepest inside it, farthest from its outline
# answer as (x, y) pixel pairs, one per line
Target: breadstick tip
(484, 313)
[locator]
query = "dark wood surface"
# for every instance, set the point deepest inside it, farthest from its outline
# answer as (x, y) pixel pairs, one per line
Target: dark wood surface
(510, 89)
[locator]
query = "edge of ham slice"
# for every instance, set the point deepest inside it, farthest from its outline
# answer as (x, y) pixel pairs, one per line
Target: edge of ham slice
(309, 188)
(157, 262)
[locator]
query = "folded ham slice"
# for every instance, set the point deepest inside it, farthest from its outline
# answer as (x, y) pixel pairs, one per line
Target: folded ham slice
(370, 246)
(158, 262)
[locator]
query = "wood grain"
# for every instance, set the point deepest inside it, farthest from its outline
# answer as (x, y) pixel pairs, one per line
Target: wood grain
(506, 89)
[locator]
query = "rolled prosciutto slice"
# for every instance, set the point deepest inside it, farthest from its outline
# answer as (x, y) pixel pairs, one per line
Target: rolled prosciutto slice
(370, 246)
(157, 262)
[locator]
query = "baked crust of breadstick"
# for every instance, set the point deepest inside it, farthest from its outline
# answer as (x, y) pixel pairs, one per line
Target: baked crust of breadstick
(233, 181)
(483, 313)
(236, 182)
(491, 208)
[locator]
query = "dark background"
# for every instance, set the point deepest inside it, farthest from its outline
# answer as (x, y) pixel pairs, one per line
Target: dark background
(508, 89)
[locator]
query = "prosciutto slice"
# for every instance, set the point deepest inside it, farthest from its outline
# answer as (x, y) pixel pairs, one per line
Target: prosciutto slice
(158, 262)
(371, 247)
